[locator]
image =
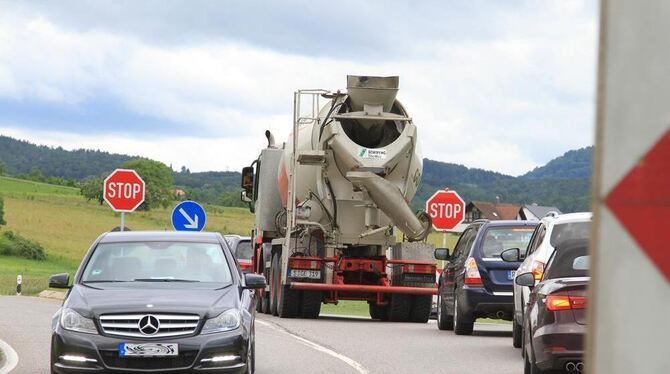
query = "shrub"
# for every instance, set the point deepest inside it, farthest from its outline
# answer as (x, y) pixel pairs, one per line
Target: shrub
(2, 212)
(12, 244)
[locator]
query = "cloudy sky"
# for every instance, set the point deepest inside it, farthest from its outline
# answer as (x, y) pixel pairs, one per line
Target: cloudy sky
(499, 85)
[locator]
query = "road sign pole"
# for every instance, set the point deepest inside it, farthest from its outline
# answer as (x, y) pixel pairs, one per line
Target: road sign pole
(123, 220)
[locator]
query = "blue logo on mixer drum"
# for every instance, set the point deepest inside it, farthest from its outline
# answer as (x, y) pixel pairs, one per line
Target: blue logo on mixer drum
(188, 216)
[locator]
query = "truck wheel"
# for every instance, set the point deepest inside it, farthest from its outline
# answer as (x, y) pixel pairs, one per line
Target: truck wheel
(461, 327)
(310, 305)
(288, 301)
(274, 289)
(444, 320)
(399, 307)
(421, 306)
(378, 312)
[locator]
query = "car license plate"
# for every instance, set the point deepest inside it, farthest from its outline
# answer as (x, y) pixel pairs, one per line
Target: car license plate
(148, 349)
(510, 274)
(299, 273)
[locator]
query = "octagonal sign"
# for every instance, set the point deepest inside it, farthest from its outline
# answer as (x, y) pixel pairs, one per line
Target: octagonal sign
(124, 190)
(447, 210)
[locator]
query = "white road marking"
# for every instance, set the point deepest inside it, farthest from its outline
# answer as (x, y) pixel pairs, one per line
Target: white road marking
(318, 347)
(11, 358)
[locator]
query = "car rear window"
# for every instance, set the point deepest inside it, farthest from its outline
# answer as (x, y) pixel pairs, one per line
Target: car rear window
(158, 261)
(570, 259)
(569, 231)
(498, 239)
(243, 250)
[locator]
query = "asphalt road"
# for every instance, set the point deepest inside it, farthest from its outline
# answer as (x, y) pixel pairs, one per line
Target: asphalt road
(326, 345)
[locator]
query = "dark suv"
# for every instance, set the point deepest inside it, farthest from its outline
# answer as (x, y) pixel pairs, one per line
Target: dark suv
(477, 283)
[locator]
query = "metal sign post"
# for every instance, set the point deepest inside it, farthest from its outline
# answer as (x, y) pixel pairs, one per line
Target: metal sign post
(19, 283)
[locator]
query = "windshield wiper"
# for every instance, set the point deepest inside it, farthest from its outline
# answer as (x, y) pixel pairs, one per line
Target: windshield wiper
(163, 280)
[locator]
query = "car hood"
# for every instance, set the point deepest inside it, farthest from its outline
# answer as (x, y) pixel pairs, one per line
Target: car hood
(92, 302)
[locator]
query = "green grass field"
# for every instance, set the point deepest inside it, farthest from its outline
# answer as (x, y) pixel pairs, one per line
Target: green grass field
(65, 224)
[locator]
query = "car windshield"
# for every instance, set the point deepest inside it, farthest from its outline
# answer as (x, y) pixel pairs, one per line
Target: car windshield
(498, 239)
(158, 262)
(243, 250)
(570, 259)
(569, 231)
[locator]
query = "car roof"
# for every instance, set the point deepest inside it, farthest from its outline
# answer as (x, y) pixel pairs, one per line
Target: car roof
(156, 236)
(512, 222)
(569, 217)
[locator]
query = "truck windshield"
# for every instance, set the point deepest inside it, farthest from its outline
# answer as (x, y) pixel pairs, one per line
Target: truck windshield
(158, 262)
(498, 239)
(243, 250)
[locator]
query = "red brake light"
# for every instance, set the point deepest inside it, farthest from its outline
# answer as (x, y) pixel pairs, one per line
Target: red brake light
(560, 302)
(472, 277)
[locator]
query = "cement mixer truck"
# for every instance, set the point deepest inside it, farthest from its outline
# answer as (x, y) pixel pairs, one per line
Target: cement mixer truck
(329, 202)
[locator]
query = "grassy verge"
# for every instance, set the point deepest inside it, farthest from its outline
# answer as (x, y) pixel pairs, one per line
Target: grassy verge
(347, 308)
(35, 273)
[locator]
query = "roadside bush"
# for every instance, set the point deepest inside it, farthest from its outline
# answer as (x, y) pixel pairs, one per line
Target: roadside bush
(2, 212)
(12, 244)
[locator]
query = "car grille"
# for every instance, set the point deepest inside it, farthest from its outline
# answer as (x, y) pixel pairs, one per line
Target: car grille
(183, 360)
(168, 325)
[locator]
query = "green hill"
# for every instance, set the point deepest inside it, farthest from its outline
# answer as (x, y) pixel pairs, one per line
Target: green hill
(572, 164)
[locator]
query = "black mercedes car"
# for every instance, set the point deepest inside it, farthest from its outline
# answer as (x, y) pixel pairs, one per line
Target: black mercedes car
(156, 302)
(555, 318)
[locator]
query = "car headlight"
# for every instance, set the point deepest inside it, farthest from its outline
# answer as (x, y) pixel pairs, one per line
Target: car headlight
(226, 321)
(73, 321)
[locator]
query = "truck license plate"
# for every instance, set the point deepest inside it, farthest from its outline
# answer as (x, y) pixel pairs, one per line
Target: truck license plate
(299, 273)
(148, 349)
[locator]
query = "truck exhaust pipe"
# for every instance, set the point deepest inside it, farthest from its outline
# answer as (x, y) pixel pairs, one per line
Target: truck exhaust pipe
(570, 367)
(389, 200)
(270, 138)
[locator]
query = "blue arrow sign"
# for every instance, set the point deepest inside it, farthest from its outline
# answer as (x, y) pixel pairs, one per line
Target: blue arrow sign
(188, 216)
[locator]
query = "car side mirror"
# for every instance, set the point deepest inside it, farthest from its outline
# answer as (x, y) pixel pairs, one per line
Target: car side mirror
(442, 254)
(525, 280)
(511, 255)
(59, 281)
(254, 281)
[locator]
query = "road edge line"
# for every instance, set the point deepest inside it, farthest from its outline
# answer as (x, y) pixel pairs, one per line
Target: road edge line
(316, 346)
(11, 357)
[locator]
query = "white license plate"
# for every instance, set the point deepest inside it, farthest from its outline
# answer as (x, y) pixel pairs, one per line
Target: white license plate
(511, 274)
(148, 349)
(299, 273)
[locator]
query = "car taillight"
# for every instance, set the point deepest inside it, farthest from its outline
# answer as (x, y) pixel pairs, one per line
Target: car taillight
(560, 302)
(537, 269)
(472, 277)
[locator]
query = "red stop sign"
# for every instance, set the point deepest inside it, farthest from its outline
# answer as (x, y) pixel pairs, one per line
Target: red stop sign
(124, 190)
(447, 210)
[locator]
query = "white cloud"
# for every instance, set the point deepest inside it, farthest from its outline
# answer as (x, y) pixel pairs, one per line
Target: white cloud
(507, 103)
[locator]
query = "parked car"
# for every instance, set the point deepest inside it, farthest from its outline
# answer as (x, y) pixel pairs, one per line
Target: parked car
(243, 251)
(477, 283)
(551, 231)
(555, 319)
(155, 301)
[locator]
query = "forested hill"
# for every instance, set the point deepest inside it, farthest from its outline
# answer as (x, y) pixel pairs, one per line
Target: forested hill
(21, 157)
(572, 164)
(563, 182)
